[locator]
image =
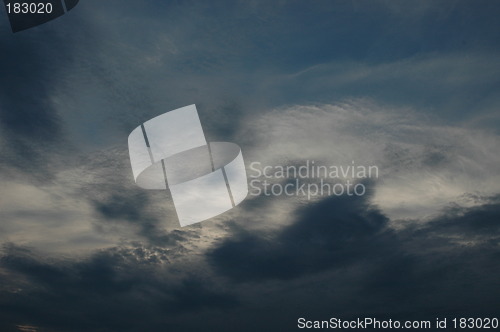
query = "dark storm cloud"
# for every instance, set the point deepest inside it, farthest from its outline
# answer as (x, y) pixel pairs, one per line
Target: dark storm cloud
(124, 289)
(448, 259)
(366, 270)
(329, 234)
(469, 224)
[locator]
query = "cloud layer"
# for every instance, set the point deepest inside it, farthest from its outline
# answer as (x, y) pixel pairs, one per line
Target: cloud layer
(411, 89)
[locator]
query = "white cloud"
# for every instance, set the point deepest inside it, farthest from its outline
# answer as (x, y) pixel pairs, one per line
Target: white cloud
(423, 166)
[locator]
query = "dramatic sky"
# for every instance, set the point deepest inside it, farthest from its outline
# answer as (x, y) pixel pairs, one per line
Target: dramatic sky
(409, 86)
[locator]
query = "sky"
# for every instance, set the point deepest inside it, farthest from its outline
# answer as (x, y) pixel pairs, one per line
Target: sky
(408, 86)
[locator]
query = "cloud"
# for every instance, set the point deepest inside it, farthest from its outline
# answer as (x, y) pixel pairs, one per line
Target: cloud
(346, 248)
(325, 235)
(338, 253)
(34, 138)
(411, 90)
(424, 165)
(119, 288)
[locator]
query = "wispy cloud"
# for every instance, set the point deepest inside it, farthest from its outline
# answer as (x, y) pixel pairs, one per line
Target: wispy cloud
(424, 164)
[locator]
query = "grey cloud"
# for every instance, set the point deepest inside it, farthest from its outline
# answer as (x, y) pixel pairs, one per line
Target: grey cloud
(412, 152)
(117, 202)
(32, 128)
(328, 234)
(346, 243)
(457, 225)
(136, 208)
(118, 289)
(89, 78)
